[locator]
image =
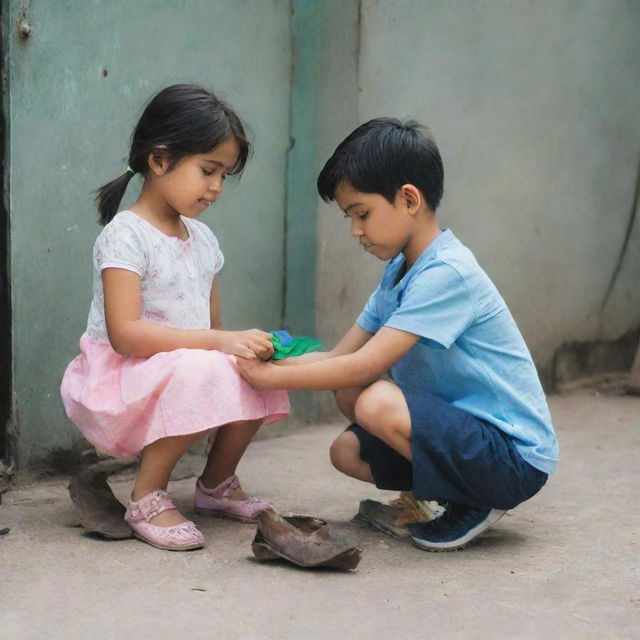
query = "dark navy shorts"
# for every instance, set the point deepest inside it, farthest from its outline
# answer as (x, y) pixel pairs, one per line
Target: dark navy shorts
(456, 457)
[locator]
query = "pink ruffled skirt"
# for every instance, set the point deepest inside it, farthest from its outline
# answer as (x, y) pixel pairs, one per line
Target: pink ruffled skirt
(121, 404)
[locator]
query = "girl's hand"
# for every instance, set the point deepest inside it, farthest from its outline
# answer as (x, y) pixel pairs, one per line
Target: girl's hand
(260, 375)
(249, 344)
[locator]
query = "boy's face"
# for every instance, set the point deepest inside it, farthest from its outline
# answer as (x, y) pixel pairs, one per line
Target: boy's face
(382, 228)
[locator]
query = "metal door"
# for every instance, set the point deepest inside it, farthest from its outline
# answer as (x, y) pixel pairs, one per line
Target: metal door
(77, 75)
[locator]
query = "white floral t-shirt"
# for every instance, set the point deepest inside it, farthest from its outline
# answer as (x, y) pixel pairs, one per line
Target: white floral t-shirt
(176, 275)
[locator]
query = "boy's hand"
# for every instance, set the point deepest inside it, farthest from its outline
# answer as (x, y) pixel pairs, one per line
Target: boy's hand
(260, 375)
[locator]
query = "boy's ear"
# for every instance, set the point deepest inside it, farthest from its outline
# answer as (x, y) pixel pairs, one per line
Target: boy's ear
(411, 197)
(159, 160)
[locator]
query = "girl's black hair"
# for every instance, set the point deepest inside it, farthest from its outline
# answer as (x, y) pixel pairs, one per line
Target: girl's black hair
(380, 156)
(182, 120)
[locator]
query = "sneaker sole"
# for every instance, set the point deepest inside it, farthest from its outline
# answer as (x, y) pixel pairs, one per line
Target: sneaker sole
(460, 543)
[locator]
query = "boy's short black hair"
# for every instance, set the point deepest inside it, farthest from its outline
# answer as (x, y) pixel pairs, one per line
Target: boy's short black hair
(380, 156)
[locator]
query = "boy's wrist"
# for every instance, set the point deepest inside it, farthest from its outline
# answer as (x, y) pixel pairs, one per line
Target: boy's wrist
(306, 358)
(280, 377)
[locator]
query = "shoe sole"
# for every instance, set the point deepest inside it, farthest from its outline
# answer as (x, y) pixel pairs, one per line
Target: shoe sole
(460, 543)
(186, 547)
(346, 560)
(396, 532)
(226, 516)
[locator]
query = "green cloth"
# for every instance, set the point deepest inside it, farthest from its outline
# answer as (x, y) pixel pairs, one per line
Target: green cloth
(286, 346)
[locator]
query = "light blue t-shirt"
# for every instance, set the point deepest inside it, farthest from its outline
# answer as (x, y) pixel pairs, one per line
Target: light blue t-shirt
(470, 353)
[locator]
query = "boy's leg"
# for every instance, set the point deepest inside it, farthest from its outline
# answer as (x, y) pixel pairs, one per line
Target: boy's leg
(468, 463)
(454, 455)
(382, 410)
(346, 400)
(345, 457)
(378, 448)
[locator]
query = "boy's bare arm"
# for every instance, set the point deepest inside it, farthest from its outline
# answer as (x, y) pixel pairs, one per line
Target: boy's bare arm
(356, 369)
(353, 340)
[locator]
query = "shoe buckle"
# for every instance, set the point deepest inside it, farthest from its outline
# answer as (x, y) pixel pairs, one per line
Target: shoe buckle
(150, 510)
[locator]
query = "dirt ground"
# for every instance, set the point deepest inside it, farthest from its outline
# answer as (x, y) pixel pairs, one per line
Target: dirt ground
(562, 565)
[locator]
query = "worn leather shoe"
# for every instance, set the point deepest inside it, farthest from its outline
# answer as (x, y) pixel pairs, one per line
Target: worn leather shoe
(306, 541)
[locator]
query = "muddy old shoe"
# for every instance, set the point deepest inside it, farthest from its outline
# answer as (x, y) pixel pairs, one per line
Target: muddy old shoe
(217, 502)
(394, 518)
(179, 537)
(99, 511)
(306, 541)
(382, 517)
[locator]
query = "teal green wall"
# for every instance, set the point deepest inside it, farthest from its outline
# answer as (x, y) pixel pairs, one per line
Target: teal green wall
(300, 238)
(533, 104)
(75, 89)
(308, 32)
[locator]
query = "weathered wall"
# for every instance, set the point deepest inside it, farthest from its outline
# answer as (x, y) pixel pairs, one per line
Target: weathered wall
(535, 109)
(76, 88)
(534, 106)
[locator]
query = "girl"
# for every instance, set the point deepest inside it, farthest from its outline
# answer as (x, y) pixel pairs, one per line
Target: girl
(156, 371)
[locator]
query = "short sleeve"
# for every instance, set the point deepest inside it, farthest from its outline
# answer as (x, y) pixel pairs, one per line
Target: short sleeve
(208, 246)
(218, 260)
(369, 320)
(120, 246)
(436, 306)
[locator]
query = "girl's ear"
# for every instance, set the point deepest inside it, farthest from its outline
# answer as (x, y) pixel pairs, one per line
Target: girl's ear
(411, 197)
(158, 160)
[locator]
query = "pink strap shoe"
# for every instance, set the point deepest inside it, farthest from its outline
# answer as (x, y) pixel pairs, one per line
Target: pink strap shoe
(216, 502)
(179, 537)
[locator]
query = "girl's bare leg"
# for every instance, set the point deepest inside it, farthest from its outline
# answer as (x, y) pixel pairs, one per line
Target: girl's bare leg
(230, 443)
(158, 460)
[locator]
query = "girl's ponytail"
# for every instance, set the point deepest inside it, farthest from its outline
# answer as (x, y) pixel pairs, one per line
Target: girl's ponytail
(110, 195)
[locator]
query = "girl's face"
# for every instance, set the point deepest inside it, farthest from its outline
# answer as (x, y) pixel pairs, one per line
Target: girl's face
(196, 181)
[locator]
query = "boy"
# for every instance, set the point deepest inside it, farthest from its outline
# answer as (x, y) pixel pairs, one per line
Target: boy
(465, 421)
